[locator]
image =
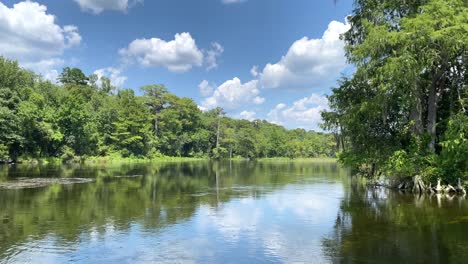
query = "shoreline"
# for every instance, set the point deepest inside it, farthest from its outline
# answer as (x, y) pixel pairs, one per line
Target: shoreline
(417, 185)
(111, 160)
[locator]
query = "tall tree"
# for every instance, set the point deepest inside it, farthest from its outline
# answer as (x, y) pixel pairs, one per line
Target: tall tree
(155, 99)
(411, 64)
(73, 76)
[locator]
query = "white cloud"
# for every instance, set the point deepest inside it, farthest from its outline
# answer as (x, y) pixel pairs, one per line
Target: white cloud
(254, 71)
(202, 108)
(71, 35)
(247, 115)
(258, 100)
(309, 62)
(97, 6)
(304, 113)
(30, 35)
(206, 89)
(114, 74)
(178, 55)
(212, 55)
(233, 93)
(46, 67)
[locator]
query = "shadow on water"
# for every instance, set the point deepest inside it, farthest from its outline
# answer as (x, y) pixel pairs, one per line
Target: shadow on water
(386, 226)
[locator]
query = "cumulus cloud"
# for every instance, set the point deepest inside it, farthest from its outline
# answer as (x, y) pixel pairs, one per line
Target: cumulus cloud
(309, 62)
(212, 55)
(97, 6)
(30, 35)
(254, 71)
(206, 89)
(232, 94)
(178, 55)
(46, 67)
(247, 115)
(304, 113)
(114, 74)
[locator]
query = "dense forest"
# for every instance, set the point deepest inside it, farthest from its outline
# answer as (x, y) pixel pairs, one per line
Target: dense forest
(86, 116)
(403, 112)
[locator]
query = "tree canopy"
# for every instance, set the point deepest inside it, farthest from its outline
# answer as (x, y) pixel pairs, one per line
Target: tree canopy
(86, 116)
(404, 108)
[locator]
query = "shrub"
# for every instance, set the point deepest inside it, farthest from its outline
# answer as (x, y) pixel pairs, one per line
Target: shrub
(453, 159)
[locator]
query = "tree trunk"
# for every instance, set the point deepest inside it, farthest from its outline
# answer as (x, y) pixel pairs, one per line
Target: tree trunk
(460, 188)
(418, 184)
(343, 147)
(416, 113)
(156, 127)
(373, 169)
(217, 134)
(438, 187)
(432, 114)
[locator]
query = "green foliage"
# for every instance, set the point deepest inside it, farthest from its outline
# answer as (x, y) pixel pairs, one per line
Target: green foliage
(219, 153)
(393, 115)
(73, 76)
(4, 152)
(67, 154)
(86, 118)
(401, 164)
(131, 129)
(453, 159)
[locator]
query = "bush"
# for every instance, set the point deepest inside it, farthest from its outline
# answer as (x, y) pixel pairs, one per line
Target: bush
(453, 161)
(416, 160)
(4, 155)
(219, 153)
(154, 153)
(67, 154)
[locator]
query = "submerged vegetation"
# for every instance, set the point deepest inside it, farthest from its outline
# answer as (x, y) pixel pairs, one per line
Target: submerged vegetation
(403, 112)
(88, 117)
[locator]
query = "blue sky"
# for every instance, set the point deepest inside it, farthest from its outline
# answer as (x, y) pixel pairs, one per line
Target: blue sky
(267, 59)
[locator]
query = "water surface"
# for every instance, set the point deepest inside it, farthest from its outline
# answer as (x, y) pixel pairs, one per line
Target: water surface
(228, 212)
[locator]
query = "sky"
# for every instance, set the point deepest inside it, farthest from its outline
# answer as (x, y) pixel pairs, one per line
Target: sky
(258, 59)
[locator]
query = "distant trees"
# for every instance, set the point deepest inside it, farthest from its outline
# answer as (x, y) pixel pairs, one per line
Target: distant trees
(400, 109)
(73, 76)
(14, 83)
(86, 116)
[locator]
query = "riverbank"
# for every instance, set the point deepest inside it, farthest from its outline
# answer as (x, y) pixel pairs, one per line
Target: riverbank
(417, 184)
(119, 159)
(103, 160)
(283, 159)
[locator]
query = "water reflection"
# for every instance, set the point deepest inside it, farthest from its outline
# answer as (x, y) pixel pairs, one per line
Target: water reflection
(391, 227)
(189, 212)
(229, 212)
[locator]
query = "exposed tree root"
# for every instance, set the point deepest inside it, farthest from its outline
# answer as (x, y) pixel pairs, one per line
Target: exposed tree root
(417, 185)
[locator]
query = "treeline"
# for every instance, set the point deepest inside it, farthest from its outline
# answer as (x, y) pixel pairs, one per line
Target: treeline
(89, 117)
(404, 111)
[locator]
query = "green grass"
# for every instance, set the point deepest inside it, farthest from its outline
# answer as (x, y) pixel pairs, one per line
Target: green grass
(106, 160)
(320, 159)
(112, 159)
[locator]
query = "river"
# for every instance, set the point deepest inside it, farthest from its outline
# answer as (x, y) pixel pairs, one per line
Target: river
(222, 212)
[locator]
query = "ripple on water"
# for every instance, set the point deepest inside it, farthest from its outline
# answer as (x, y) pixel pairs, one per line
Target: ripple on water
(36, 249)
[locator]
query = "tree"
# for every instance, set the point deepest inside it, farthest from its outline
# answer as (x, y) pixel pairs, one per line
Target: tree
(132, 127)
(73, 76)
(84, 117)
(408, 82)
(179, 121)
(13, 82)
(77, 121)
(155, 99)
